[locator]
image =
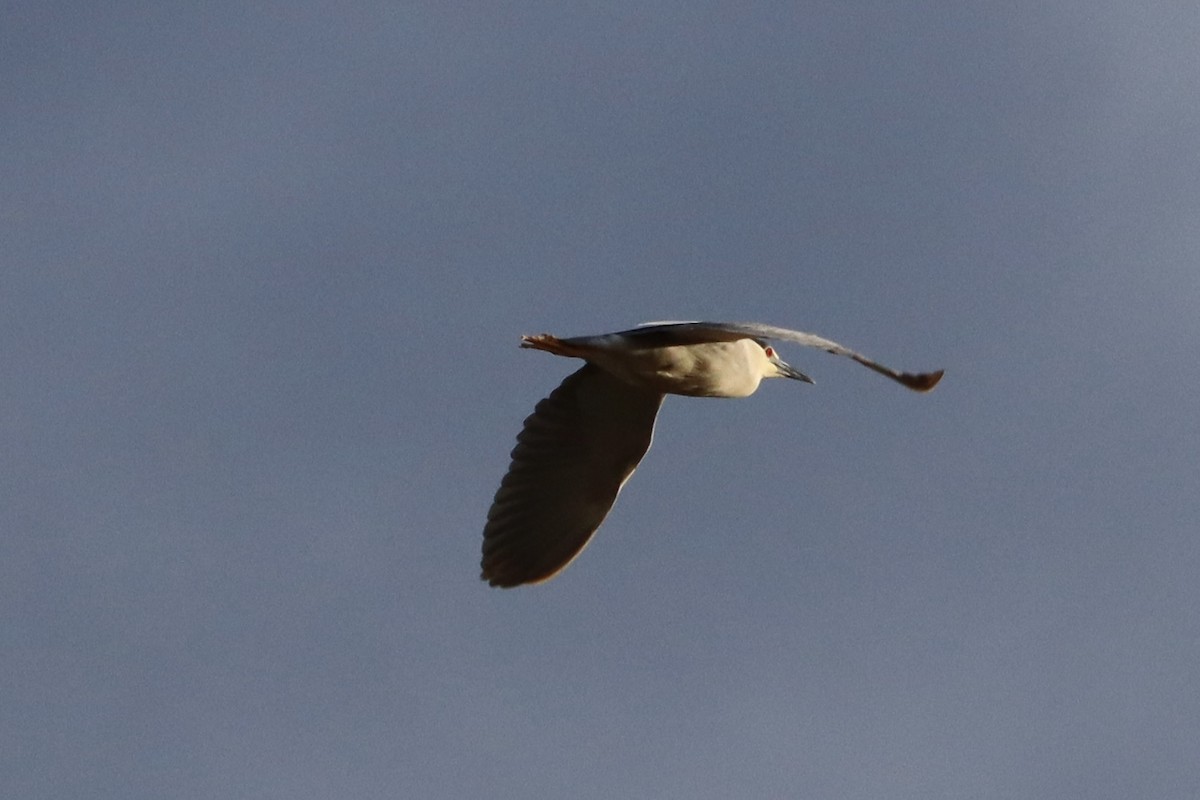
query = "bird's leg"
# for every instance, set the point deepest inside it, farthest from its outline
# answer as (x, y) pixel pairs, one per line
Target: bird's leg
(552, 344)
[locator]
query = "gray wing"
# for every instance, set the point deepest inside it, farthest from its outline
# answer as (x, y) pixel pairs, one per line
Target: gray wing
(572, 457)
(664, 334)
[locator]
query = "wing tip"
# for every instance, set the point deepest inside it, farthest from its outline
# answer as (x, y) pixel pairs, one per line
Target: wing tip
(496, 581)
(501, 579)
(493, 575)
(921, 381)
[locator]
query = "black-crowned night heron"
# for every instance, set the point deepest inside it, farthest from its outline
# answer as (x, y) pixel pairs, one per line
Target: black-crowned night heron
(583, 442)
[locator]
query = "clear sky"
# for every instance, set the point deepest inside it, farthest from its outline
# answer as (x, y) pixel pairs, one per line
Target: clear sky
(263, 269)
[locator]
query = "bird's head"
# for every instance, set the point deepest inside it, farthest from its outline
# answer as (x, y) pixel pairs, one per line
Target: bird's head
(780, 368)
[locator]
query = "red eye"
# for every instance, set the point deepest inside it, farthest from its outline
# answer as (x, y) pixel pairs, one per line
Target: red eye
(770, 351)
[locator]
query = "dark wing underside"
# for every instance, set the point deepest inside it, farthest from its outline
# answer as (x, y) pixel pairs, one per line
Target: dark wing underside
(575, 452)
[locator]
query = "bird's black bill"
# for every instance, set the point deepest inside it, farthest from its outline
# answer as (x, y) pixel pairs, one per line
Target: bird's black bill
(788, 371)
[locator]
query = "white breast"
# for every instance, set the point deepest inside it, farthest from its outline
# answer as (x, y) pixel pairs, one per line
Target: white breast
(712, 369)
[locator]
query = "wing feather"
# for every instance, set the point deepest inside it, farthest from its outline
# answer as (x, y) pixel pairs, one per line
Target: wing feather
(572, 457)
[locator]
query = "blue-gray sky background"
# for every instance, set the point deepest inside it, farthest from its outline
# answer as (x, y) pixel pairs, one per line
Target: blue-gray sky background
(262, 274)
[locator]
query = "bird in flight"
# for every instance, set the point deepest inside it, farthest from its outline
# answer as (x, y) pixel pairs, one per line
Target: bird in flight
(583, 442)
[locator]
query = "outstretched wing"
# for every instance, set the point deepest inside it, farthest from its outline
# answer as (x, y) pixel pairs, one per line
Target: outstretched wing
(572, 457)
(665, 334)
